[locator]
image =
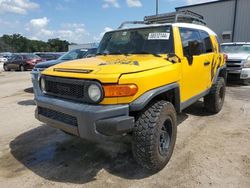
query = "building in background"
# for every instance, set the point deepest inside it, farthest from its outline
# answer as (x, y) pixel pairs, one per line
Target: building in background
(83, 46)
(230, 19)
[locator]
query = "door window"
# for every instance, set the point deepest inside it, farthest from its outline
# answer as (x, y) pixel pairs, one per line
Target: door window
(188, 35)
(207, 44)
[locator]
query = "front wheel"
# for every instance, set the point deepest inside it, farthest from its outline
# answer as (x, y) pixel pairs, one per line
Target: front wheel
(215, 99)
(5, 67)
(154, 135)
(21, 68)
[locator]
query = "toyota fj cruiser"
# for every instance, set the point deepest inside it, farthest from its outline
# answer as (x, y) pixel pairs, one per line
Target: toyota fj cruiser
(140, 79)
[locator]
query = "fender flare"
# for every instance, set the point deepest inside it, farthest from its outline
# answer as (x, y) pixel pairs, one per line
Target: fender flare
(221, 72)
(145, 98)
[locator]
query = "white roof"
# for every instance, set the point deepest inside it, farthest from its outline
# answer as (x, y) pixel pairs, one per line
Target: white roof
(185, 25)
(235, 43)
(195, 26)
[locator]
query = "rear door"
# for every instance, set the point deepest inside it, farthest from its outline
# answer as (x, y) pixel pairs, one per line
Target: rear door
(12, 62)
(208, 56)
(194, 78)
(17, 62)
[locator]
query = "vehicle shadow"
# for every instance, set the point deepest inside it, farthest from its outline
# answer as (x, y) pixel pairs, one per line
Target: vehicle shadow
(29, 90)
(56, 156)
(196, 109)
(27, 103)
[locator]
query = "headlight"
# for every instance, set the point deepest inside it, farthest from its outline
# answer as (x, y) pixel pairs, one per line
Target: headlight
(94, 92)
(42, 85)
(247, 63)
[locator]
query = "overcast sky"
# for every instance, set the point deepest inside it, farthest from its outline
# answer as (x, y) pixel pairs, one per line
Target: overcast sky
(77, 21)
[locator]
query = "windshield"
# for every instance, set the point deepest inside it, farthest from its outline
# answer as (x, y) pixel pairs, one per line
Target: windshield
(238, 48)
(153, 40)
(73, 54)
(31, 56)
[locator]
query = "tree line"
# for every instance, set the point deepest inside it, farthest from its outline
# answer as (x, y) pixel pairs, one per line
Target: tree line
(18, 43)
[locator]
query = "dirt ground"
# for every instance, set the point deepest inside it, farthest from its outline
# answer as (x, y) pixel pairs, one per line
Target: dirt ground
(211, 151)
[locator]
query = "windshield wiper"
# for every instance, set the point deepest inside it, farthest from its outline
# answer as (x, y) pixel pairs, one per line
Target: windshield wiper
(145, 52)
(118, 53)
(66, 59)
(104, 53)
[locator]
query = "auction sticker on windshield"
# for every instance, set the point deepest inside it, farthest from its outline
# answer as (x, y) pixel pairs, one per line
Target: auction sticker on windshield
(158, 36)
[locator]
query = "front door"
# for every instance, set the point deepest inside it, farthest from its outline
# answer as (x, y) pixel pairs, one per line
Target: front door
(194, 77)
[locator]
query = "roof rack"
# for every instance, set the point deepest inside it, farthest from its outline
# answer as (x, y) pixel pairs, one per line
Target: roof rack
(185, 16)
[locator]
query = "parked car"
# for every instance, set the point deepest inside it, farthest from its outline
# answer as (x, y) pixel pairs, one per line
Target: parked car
(141, 77)
(46, 56)
(238, 62)
(70, 55)
(3, 59)
(22, 62)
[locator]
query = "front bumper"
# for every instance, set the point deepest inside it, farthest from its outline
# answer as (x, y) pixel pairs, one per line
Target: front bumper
(35, 75)
(91, 122)
(243, 73)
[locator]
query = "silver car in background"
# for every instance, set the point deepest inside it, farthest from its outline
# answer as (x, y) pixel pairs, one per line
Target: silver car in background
(70, 55)
(238, 62)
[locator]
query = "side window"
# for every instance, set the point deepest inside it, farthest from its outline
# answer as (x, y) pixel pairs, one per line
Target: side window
(208, 47)
(188, 35)
(18, 58)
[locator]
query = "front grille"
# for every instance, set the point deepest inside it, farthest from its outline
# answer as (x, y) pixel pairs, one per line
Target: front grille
(58, 116)
(234, 64)
(66, 88)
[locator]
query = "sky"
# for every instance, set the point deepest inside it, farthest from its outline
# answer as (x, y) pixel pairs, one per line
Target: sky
(78, 21)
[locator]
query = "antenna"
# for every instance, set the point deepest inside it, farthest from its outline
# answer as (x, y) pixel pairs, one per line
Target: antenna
(156, 8)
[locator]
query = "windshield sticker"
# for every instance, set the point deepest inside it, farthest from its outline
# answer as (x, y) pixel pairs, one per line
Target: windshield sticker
(158, 36)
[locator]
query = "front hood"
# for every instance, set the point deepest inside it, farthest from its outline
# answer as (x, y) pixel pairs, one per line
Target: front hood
(107, 66)
(48, 64)
(237, 56)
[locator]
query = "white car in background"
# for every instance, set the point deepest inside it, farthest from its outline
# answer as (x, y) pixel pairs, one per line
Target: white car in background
(238, 62)
(3, 59)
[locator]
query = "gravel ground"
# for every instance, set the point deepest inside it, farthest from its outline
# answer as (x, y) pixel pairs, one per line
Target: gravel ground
(211, 151)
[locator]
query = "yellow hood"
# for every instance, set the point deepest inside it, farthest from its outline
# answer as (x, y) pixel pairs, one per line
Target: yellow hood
(106, 68)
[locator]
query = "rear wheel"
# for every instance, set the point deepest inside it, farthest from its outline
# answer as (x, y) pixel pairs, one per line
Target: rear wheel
(21, 68)
(214, 100)
(154, 135)
(5, 67)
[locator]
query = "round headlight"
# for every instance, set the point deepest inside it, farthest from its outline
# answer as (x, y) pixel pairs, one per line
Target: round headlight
(42, 85)
(94, 92)
(247, 63)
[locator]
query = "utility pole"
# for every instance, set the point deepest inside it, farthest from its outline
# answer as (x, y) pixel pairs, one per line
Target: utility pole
(156, 8)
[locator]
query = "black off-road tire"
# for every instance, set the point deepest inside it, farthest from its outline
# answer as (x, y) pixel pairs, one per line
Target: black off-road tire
(5, 67)
(214, 100)
(149, 148)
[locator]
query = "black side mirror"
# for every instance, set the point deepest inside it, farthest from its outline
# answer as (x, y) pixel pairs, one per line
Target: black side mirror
(194, 48)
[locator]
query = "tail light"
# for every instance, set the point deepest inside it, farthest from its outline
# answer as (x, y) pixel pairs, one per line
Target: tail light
(30, 62)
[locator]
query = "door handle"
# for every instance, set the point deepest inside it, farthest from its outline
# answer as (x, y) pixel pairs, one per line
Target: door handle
(206, 63)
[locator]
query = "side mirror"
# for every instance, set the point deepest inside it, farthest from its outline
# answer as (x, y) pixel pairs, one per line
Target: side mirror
(194, 48)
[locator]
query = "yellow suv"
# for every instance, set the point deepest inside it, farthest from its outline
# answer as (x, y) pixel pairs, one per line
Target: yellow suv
(139, 80)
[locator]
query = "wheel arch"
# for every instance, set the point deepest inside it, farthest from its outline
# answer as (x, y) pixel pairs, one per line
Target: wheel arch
(221, 72)
(170, 92)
